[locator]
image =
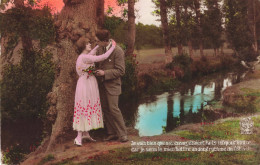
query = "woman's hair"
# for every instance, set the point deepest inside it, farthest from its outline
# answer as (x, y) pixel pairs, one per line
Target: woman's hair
(82, 46)
(103, 35)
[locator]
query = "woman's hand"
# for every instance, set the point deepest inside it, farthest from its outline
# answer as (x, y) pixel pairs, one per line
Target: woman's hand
(113, 43)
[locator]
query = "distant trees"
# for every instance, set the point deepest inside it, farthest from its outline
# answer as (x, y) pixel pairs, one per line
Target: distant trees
(198, 16)
(147, 36)
(212, 24)
(165, 29)
(200, 24)
(238, 31)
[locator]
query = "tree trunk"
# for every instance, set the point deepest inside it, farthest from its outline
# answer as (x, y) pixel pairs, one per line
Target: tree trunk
(255, 45)
(198, 21)
(189, 42)
(190, 49)
(165, 29)
(100, 14)
(131, 28)
(217, 52)
(178, 19)
(222, 50)
(76, 23)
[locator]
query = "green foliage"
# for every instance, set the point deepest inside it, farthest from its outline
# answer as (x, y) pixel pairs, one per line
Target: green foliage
(109, 10)
(237, 28)
(112, 24)
(248, 102)
(117, 28)
(129, 80)
(27, 22)
(227, 61)
(24, 86)
(154, 81)
(146, 35)
(183, 62)
(212, 24)
(13, 155)
(46, 159)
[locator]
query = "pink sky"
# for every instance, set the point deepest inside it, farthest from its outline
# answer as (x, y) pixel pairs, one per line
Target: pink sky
(57, 5)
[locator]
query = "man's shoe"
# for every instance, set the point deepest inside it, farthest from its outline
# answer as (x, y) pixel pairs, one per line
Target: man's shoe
(111, 137)
(123, 139)
(88, 138)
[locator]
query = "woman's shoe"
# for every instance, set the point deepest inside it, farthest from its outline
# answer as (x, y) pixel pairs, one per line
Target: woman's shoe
(77, 142)
(88, 138)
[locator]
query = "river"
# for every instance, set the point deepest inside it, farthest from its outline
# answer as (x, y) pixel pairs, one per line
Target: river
(167, 110)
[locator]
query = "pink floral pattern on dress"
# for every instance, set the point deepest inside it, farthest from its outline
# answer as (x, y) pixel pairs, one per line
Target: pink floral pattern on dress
(88, 112)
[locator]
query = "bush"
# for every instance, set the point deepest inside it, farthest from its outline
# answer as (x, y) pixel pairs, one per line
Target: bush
(181, 64)
(24, 86)
(244, 104)
(129, 80)
(227, 61)
(13, 155)
(156, 80)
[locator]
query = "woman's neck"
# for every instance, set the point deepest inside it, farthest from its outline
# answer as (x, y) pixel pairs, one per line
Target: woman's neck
(85, 51)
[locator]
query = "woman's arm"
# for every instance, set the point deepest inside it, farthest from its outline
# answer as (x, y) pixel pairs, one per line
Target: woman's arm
(91, 59)
(93, 51)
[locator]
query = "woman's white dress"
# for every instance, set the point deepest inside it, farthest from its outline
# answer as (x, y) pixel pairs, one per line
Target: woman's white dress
(87, 108)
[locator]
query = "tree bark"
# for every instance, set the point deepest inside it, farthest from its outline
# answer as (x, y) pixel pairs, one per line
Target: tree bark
(253, 24)
(198, 21)
(100, 14)
(178, 19)
(190, 49)
(189, 42)
(165, 29)
(131, 28)
(76, 23)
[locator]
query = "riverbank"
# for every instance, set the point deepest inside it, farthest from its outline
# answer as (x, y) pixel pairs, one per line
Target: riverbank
(223, 129)
(157, 76)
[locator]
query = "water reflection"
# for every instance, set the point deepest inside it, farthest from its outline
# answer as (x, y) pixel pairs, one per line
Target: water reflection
(171, 109)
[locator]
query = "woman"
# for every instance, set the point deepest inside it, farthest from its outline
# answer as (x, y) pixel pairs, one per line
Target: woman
(87, 108)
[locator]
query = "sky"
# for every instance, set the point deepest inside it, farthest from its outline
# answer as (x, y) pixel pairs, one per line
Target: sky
(144, 14)
(144, 9)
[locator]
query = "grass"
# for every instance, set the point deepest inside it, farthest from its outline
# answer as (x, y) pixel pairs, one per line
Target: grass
(46, 159)
(157, 54)
(125, 156)
(217, 131)
(227, 130)
(255, 95)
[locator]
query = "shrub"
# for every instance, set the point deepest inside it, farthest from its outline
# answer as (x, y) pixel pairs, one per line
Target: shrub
(227, 61)
(13, 155)
(24, 86)
(129, 80)
(182, 65)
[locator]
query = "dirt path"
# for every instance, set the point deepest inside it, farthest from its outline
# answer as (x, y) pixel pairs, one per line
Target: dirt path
(89, 150)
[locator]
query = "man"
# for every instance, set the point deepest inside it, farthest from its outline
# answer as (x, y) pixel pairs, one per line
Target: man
(109, 75)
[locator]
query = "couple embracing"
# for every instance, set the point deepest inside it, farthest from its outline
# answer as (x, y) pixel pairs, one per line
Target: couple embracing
(97, 91)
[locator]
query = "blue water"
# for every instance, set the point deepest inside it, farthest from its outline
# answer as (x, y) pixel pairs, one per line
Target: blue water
(174, 108)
